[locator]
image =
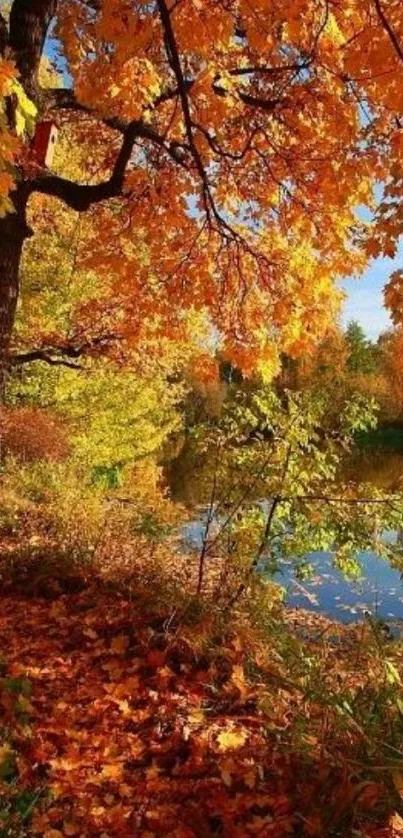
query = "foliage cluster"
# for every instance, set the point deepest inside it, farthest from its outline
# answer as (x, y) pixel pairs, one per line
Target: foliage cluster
(347, 363)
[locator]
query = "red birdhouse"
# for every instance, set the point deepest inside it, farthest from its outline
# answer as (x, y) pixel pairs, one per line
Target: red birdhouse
(44, 143)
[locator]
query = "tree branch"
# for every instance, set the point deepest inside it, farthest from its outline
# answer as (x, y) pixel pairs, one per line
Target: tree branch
(63, 99)
(389, 29)
(267, 105)
(269, 71)
(175, 63)
(3, 34)
(80, 196)
(42, 355)
(59, 355)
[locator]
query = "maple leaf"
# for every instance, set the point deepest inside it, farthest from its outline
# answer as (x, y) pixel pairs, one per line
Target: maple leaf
(271, 141)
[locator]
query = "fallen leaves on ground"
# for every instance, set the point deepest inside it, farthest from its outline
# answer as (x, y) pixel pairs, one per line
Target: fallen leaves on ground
(125, 737)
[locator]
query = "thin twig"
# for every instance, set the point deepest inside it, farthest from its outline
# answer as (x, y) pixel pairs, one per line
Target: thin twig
(210, 516)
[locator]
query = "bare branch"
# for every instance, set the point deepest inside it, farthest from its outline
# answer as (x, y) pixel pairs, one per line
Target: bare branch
(389, 29)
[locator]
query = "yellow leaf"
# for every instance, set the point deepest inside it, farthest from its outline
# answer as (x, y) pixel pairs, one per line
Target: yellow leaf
(196, 717)
(124, 706)
(5, 752)
(25, 112)
(231, 739)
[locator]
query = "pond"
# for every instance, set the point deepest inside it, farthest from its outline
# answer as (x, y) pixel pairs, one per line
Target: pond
(379, 591)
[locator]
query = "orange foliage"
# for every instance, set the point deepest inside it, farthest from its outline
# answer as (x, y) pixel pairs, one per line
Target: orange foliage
(205, 370)
(327, 364)
(247, 148)
(392, 363)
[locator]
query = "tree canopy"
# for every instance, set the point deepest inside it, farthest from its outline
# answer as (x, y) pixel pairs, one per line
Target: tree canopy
(226, 148)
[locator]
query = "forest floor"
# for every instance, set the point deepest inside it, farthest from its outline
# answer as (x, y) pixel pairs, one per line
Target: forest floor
(113, 727)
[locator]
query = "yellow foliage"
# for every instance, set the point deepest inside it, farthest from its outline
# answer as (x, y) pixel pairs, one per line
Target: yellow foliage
(231, 739)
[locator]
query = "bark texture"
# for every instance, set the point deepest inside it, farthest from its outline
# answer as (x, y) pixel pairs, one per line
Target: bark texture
(13, 232)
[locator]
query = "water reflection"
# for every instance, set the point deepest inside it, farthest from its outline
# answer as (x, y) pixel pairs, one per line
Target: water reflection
(378, 592)
(383, 469)
(380, 589)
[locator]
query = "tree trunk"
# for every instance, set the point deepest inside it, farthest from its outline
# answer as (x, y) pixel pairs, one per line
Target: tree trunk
(13, 232)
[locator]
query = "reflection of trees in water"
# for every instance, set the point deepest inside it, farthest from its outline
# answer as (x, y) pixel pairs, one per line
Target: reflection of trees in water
(189, 475)
(384, 469)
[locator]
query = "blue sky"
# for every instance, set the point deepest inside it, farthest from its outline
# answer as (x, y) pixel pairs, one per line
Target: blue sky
(364, 301)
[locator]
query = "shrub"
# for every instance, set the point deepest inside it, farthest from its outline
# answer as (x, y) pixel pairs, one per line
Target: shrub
(55, 520)
(30, 434)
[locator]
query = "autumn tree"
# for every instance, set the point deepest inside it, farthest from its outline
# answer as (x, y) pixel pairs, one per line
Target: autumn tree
(324, 368)
(231, 143)
(362, 354)
(391, 355)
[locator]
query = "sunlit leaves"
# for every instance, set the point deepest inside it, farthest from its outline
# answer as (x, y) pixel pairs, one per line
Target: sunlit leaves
(281, 495)
(231, 739)
(394, 296)
(276, 100)
(9, 143)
